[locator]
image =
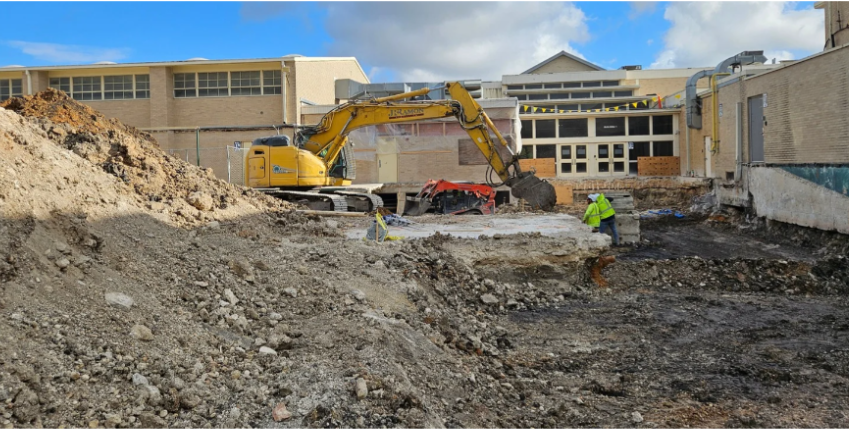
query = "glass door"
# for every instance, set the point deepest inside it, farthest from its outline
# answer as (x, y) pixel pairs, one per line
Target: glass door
(602, 159)
(574, 160)
(619, 160)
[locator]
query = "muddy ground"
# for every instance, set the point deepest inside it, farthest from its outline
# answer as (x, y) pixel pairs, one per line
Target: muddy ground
(137, 291)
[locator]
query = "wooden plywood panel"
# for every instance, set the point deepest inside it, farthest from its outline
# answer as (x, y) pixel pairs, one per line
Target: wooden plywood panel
(658, 166)
(544, 167)
(564, 194)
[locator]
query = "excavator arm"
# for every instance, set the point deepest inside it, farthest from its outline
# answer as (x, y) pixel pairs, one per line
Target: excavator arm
(327, 139)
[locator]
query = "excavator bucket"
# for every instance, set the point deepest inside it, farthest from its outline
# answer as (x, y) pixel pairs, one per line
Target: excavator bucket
(537, 192)
(415, 206)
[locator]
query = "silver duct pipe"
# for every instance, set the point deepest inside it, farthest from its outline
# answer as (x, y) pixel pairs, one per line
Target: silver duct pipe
(694, 114)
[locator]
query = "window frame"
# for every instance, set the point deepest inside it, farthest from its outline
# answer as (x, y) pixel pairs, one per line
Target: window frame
(10, 84)
(184, 88)
(241, 86)
(96, 91)
(123, 91)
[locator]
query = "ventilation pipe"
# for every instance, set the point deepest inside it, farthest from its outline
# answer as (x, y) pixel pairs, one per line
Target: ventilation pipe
(694, 113)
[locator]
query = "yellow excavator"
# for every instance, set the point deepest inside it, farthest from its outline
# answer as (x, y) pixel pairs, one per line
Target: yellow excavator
(320, 157)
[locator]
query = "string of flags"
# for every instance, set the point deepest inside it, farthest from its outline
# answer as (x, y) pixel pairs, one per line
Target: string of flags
(656, 99)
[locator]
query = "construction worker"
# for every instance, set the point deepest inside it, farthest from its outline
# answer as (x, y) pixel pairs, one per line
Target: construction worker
(591, 216)
(607, 216)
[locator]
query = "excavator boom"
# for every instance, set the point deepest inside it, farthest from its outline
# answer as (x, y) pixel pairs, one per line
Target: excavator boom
(323, 144)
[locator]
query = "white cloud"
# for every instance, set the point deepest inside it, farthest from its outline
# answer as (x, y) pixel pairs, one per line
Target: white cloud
(437, 41)
(56, 53)
(641, 7)
(705, 33)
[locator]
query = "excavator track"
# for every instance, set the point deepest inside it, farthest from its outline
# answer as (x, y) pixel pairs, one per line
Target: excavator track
(360, 202)
(316, 201)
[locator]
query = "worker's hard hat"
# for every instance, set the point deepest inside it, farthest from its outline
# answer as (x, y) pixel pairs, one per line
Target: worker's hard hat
(593, 197)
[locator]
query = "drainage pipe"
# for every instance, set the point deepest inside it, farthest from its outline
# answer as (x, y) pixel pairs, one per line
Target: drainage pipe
(29, 83)
(714, 148)
(197, 145)
(739, 168)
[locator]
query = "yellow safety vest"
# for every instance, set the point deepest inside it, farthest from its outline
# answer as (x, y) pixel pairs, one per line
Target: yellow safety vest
(591, 216)
(604, 208)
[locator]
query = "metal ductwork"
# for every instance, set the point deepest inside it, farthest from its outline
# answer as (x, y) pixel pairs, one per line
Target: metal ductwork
(694, 112)
(349, 89)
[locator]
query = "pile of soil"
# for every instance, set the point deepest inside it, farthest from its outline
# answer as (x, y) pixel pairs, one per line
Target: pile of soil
(187, 193)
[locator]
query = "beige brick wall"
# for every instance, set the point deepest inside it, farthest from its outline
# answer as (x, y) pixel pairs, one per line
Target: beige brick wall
(315, 80)
(662, 87)
(236, 110)
(421, 166)
(563, 64)
(131, 112)
(161, 96)
(806, 120)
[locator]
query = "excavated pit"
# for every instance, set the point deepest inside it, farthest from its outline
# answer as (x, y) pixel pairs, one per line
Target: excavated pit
(243, 313)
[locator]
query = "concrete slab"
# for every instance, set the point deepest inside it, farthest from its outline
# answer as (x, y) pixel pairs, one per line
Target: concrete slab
(471, 226)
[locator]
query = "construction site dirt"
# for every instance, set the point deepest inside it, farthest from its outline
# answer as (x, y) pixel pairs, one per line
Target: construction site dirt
(201, 304)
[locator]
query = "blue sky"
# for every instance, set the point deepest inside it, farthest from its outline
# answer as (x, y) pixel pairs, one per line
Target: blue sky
(412, 41)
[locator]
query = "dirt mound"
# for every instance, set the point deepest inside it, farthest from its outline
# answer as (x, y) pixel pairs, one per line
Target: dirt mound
(58, 107)
(189, 193)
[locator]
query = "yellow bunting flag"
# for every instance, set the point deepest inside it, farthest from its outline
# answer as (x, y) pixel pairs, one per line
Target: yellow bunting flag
(561, 111)
(616, 108)
(654, 99)
(677, 96)
(535, 109)
(598, 110)
(645, 103)
(543, 110)
(634, 104)
(607, 109)
(525, 108)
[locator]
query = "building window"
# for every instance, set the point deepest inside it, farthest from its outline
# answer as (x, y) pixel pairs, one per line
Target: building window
(514, 87)
(571, 85)
(592, 84)
(142, 86)
(184, 85)
(527, 152)
(618, 166)
(87, 88)
(629, 93)
(600, 94)
(662, 124)
(559, 96)
(566, 108)
(533, 86)
(11, 88)
(619, 150)
(118, 87)
(610, 126)
(609, 83)
(212, 84)
(603, 151)
(271, 82)
(63, 84)
(545, 128)
(527, 129)
(662, 149)
(521, 97)
(557, 85)
(537, 96)
(546, 151)
(566, 152)
(573, 127)
(581, 95)
(638, 126)
(592, 106)
(639, 149)
(245, 84)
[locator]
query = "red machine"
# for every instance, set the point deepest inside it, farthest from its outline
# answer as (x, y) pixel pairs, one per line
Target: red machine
(454, 198)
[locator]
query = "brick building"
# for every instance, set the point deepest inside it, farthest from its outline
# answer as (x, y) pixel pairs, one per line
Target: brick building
(782, 141)
(195, 108)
